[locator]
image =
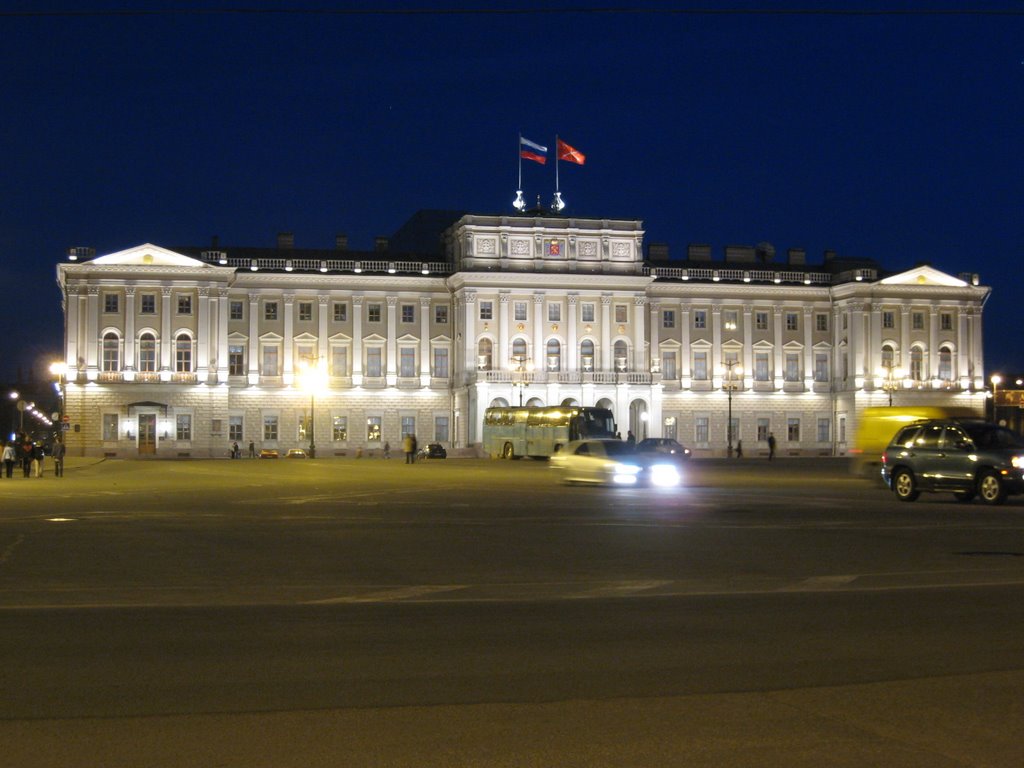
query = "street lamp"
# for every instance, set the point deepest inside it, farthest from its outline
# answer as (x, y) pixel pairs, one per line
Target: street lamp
(60, 370)
(314, 379)
(732, 367)
(996, 381)
(891, 377)
(523, 367)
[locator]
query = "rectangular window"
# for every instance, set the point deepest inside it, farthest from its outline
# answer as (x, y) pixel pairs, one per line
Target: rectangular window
(763, 430)
(408, 313)
(520, 310)
(820, 366)
(761, 369)
(340, 312)
(183, 354)
(147, 304)
(440, 362)
(486, 310)
(917, 321)
(236, 360)
(184, 305)
(270, 356)
(621, 313)
(270, 428)
(700, 319)
(792, 366)
(304, 356)
(440, 429)
(237, 310)
(147, 353)
(305, 310)
(302, 426)
(888, 319)
(700, 366)
(761, 321)
(824, 430)
(270, 310)
(668, 318)
(111, 305)
(734, 430)
(373, 313)
(339, 429)
(216, 426)
(109, 427)
(183, 427)
(408, 425)
(587, 313)
(441, 314)
(821, 321)
(235, 428)
(700, 430)
(731, 319)
(668, 365)
(373, 430)
(793, 430)
(407, 362)
(339, 361)
(946, 321)
(554, 313)
(792, 321)
(373, 360)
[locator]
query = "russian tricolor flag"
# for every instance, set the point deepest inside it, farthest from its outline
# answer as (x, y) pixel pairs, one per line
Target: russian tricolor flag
(532, 151)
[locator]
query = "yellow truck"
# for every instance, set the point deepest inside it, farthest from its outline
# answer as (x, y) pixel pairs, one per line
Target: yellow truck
(878, 425)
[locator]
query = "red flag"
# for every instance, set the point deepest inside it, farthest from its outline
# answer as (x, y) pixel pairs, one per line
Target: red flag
(528, 155)
(570, 155)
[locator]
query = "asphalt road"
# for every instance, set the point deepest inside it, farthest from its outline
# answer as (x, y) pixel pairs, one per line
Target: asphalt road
(477, 613)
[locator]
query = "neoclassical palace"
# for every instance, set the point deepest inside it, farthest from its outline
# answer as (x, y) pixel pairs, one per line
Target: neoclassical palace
(182, 352)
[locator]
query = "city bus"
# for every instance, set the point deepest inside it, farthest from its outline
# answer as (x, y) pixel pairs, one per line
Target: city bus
(539, 432)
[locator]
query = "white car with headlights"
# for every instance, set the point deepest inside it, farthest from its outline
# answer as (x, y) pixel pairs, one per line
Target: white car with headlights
(613, 462)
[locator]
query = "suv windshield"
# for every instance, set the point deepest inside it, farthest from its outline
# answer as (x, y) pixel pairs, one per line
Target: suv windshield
(990, 436)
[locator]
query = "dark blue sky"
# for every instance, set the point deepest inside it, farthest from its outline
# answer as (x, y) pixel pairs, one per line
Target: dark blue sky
(894, 136)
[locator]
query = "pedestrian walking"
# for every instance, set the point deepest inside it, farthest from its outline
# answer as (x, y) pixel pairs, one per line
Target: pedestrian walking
(739, 449)
(38, 455)
(26, 457)
(9, 457)
(252, 450)
(771, 446)
(387, 450)
(630, 438)
(236, 452)
(58, 459)
(408, 447)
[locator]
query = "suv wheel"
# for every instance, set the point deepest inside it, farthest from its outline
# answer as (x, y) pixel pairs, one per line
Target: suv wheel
(991, 488)
(903, 485)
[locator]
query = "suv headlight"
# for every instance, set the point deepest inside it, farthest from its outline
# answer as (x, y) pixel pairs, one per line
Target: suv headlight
(1017, 462)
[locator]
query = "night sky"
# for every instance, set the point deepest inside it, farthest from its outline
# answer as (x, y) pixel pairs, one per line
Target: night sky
(894, 134)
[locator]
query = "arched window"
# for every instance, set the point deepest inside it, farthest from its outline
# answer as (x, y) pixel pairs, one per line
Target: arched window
(917, 364)
(111, 352)
(519, 349)
(554, 361)
(945, 364)
(587, 355)
(484, 355)
(621, 356)
(888, 357)
(147, 353)
(183, 353)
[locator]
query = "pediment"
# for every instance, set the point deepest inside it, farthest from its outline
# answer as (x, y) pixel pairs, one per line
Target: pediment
(148, 255)
(924, 275)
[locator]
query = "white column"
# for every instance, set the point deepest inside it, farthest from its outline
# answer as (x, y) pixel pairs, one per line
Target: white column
(254, 338)
(540, 362)
(223, 311)
(857, 346)
(685, 371)
(655, 336)
(504, 330)
(639, 335)
(716, 346)
(933, 343)
(748, 346)
(73, 310)
(357, 340)
(129, 332)
(392, 343)
(607, 358)
(322, 349)
(808, 349)
(573, 317)
(288, 352)
(779, 370)
(166, 342)
(203, 336)
(873, 344)
(963, 363)
(92, 332)
(425, 361)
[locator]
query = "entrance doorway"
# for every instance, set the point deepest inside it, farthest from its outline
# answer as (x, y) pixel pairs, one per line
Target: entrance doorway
(147, 434)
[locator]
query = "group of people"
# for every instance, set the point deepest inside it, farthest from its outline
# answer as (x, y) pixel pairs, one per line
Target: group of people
(31, 456)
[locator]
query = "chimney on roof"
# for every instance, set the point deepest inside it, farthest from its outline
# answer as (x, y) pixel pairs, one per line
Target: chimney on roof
(380, 244)
(739, 253)
(695, 252)
(829, 256)
(796, 256)
(285, 241)
(658, 252)
(341, 242)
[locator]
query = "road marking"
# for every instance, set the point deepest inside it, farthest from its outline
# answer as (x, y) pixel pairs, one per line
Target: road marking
(390, 595)
(821, 583)
(619, 589)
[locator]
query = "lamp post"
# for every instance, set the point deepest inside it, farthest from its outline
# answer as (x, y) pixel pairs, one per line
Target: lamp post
(891, 377)
(313, 378)
(731, 368)
(996, 381)
(522, 366)
(14, 399)
(60, 369)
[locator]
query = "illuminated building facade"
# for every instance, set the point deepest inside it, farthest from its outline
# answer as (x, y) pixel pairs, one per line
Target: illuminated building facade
(182, 352)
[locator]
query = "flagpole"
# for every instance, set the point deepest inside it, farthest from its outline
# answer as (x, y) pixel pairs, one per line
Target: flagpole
(557, 189)
(519, 147)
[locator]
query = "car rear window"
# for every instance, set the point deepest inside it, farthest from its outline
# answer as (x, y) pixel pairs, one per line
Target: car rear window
(617, 448)
(991, 436)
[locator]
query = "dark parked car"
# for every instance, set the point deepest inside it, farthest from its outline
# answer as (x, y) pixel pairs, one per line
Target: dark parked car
(965, 457)
(433, 451)
(664, 446)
